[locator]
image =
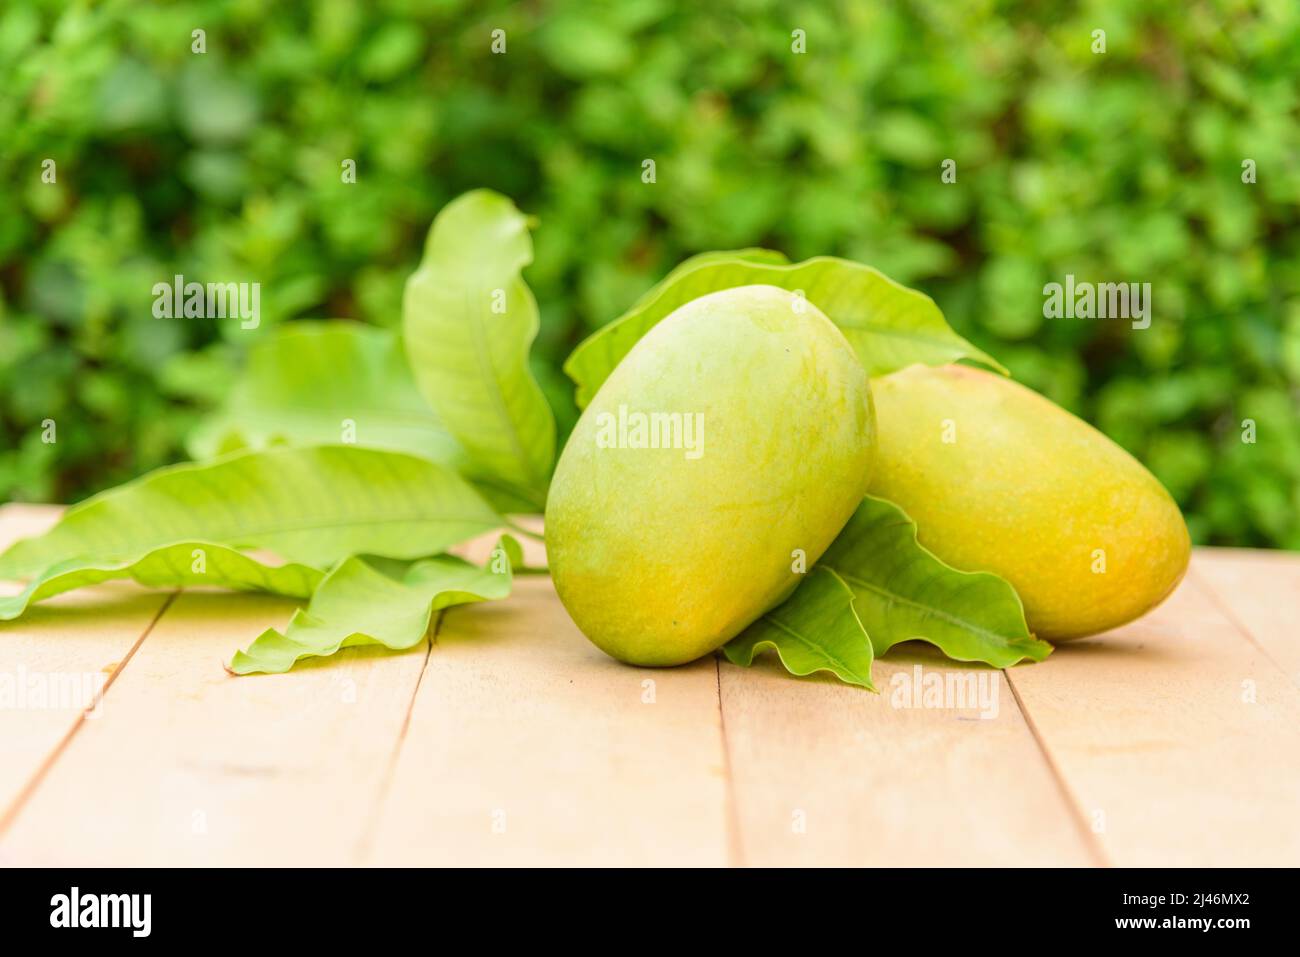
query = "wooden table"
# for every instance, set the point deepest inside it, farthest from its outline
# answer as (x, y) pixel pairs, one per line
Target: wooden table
(509, 739)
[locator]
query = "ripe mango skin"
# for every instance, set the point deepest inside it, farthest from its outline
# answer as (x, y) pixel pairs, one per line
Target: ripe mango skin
(1029, 492)
(660, 558)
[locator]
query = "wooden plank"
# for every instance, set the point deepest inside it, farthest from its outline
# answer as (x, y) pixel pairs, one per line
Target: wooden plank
(57, 660)
(188, 765)
(827, 774)
(1260, 593)
(1177, 737)
(527, 745)
(19, 520)
(523, 744)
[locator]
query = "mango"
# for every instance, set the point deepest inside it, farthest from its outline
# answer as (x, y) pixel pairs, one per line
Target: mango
(1000, 479)
(711, 469)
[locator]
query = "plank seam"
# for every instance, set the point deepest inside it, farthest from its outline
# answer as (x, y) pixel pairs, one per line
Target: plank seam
(1074, 806)
(1208, 590)
(735, 849)
(365, 844)
(29, 789)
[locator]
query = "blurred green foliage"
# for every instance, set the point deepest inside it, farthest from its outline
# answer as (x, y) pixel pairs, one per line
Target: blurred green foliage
(225, 166)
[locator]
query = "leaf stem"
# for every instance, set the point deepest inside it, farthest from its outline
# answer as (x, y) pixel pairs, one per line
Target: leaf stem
(535, 536)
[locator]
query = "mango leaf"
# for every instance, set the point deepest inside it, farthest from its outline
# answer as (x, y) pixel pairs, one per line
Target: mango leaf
(172, 566)
(316, 506)
(752, 254)
(468, 320)
(313, 383)
(889, 325)
(902, 591)
(815, 629)
(358, 604)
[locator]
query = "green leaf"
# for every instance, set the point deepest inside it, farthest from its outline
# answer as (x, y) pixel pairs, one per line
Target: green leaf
(815, 629)
(310, 505)
(753, 254)
(889, 325)
(308, 382)
(172, 566)
(468, 319)
(357, 604)
(901, 592)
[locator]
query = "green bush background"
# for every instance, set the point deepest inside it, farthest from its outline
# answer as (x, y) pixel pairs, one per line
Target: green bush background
(226, 166)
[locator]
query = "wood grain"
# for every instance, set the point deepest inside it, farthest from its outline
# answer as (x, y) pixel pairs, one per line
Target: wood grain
(828, 774)
(1177, 738)
(527, 745)
(190, 765)
(1260, 593)
(511, 740)
(57, 660)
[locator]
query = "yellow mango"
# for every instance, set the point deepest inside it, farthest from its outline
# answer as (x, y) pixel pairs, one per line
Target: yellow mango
(1000, 479)
(718, 461)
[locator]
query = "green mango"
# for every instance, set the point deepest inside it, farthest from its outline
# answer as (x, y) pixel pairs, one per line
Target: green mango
(1000, 479)
(662, 554)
